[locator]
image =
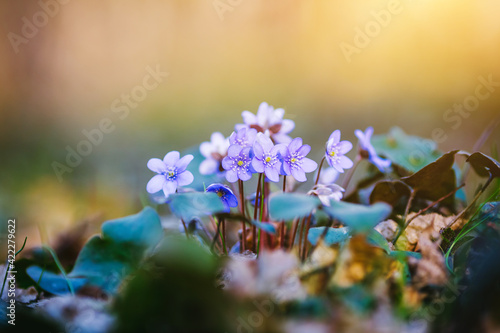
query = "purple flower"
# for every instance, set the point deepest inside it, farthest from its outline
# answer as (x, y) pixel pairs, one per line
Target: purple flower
(267, 157)
(171, 173)
(213, 151)
(328, 176)
(244, 137)
(367, 149)
(335, 150)
(270, 121)
(327, 193)
(237, 163)
(225, 194)
(295, 162)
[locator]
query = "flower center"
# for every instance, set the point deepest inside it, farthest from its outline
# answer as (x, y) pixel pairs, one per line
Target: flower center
(293, 160)
(332, 153)
(170, 174)
(240, 163)
(220, 194)
(268, 159)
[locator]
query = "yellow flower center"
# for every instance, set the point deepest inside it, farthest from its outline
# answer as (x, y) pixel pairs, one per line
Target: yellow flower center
(171, 174)
(332, 153)
(220, 194)
(268, 159)
(240, 163)
(293, 160)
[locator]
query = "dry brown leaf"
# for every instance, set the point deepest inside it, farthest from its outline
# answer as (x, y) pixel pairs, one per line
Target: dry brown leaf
(357, 261)
(431, 268)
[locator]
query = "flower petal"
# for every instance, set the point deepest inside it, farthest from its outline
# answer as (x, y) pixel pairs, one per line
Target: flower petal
(263, 114)
(155, 184)
(304, 150)
(258, 165)
(265, 141)
(369, 133)
(258, 150)
(281, 138)
(217, 138)
(185, 178)
(156, 165)
(328, 176)
(249, 118)
(206, 149)
(344, 147)
(231, 200)
(209, 166)
(286, 168)
(280, 149)
(294, 145)
(272, 174)
(182, 164)
(335, 136)
(287, 126)
(245, 175)
(227, 163)
(308, 165)
(345, 162)
(169, 187)
(234, 150)
(299, 175)
(276, 116)
(231, 176)
(171, 158)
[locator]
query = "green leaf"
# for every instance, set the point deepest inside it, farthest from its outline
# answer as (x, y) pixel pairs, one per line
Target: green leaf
(105, 261)
(333, 235)
(436, 179)
(359, 218)
(143, 229)
(484, 165)
(375, 238)
(54, 283)
(402, 255)
(287, 206)
(195, 204)
(267, 227)
(410, 152)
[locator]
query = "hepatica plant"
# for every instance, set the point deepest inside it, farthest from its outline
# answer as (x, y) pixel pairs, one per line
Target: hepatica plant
(267, 189)
(259, 189)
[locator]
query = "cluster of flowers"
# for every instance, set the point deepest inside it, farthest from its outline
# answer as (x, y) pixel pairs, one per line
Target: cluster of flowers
(261, 145)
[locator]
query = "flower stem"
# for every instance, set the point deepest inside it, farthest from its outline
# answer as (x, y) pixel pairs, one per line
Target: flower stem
(294, 232)
(283, 226)
(319, 170)
(255, 210)
(242, 208)
(304, 246)
(350, 173)
(185, 228)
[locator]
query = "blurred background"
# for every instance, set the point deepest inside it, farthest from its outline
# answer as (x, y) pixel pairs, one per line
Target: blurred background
(66, 65)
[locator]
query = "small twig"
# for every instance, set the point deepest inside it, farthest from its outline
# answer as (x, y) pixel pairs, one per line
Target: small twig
(217, 234)
(462, 213)
(420, 212)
